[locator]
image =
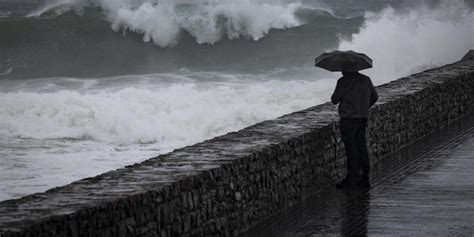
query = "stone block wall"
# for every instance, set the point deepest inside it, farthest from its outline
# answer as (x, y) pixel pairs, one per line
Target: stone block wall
(225, 185)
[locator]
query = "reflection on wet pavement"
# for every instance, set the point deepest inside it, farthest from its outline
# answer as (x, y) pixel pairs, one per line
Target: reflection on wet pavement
(426, 189)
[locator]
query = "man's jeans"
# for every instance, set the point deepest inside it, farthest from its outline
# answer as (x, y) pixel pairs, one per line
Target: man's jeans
(354, 138)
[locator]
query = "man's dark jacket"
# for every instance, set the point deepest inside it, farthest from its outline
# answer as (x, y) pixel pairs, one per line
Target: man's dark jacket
(356, 94)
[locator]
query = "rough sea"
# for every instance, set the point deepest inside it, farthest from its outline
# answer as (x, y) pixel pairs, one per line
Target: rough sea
(88, 86)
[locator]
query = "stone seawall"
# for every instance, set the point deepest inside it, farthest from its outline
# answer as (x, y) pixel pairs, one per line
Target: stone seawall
(223, 186)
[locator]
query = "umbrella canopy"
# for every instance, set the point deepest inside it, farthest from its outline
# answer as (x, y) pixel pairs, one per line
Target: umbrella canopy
(469, 55)
(343, 61)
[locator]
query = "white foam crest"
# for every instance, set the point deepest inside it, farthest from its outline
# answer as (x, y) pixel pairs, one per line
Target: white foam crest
(207, 23)
(161, 21)
(402, 43)
(172, 116)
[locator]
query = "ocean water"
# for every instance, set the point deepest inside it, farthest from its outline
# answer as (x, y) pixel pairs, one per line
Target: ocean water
(91, 86)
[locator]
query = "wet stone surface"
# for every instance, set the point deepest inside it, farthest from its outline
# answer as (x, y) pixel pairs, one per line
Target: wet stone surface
(224, 186)
(426, 189)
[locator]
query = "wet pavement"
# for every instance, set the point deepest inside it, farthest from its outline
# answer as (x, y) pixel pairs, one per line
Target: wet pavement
(426, 189)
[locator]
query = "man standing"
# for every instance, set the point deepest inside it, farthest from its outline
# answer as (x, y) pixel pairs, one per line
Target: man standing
(355, 94)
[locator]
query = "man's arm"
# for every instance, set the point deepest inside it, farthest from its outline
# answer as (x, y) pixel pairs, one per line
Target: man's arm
(337, 95)
(373, 94)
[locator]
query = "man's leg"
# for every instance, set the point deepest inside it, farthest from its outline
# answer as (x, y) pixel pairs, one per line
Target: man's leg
(363, 154)
(348, 135)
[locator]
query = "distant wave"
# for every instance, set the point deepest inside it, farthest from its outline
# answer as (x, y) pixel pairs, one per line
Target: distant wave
(208, 22)
(50, 35)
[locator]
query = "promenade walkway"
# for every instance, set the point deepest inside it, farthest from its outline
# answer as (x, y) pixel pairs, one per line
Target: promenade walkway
(426, 189)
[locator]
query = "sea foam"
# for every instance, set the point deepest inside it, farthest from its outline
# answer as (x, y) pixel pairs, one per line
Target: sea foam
(144, 112)
(52, 137)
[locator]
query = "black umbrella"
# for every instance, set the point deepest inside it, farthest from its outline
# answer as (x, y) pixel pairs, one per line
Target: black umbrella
(469, 55)
(343, 61)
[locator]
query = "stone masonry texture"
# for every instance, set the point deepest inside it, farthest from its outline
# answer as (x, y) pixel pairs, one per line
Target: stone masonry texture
(225, 185)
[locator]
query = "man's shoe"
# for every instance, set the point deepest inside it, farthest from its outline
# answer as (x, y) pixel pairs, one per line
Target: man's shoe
(364, 183)
(346, 183)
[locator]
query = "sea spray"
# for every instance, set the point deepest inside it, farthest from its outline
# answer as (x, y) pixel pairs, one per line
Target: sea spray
(404, 42)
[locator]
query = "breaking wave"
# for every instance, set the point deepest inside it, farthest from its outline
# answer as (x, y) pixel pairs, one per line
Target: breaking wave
(170, 116)
(208, 22)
